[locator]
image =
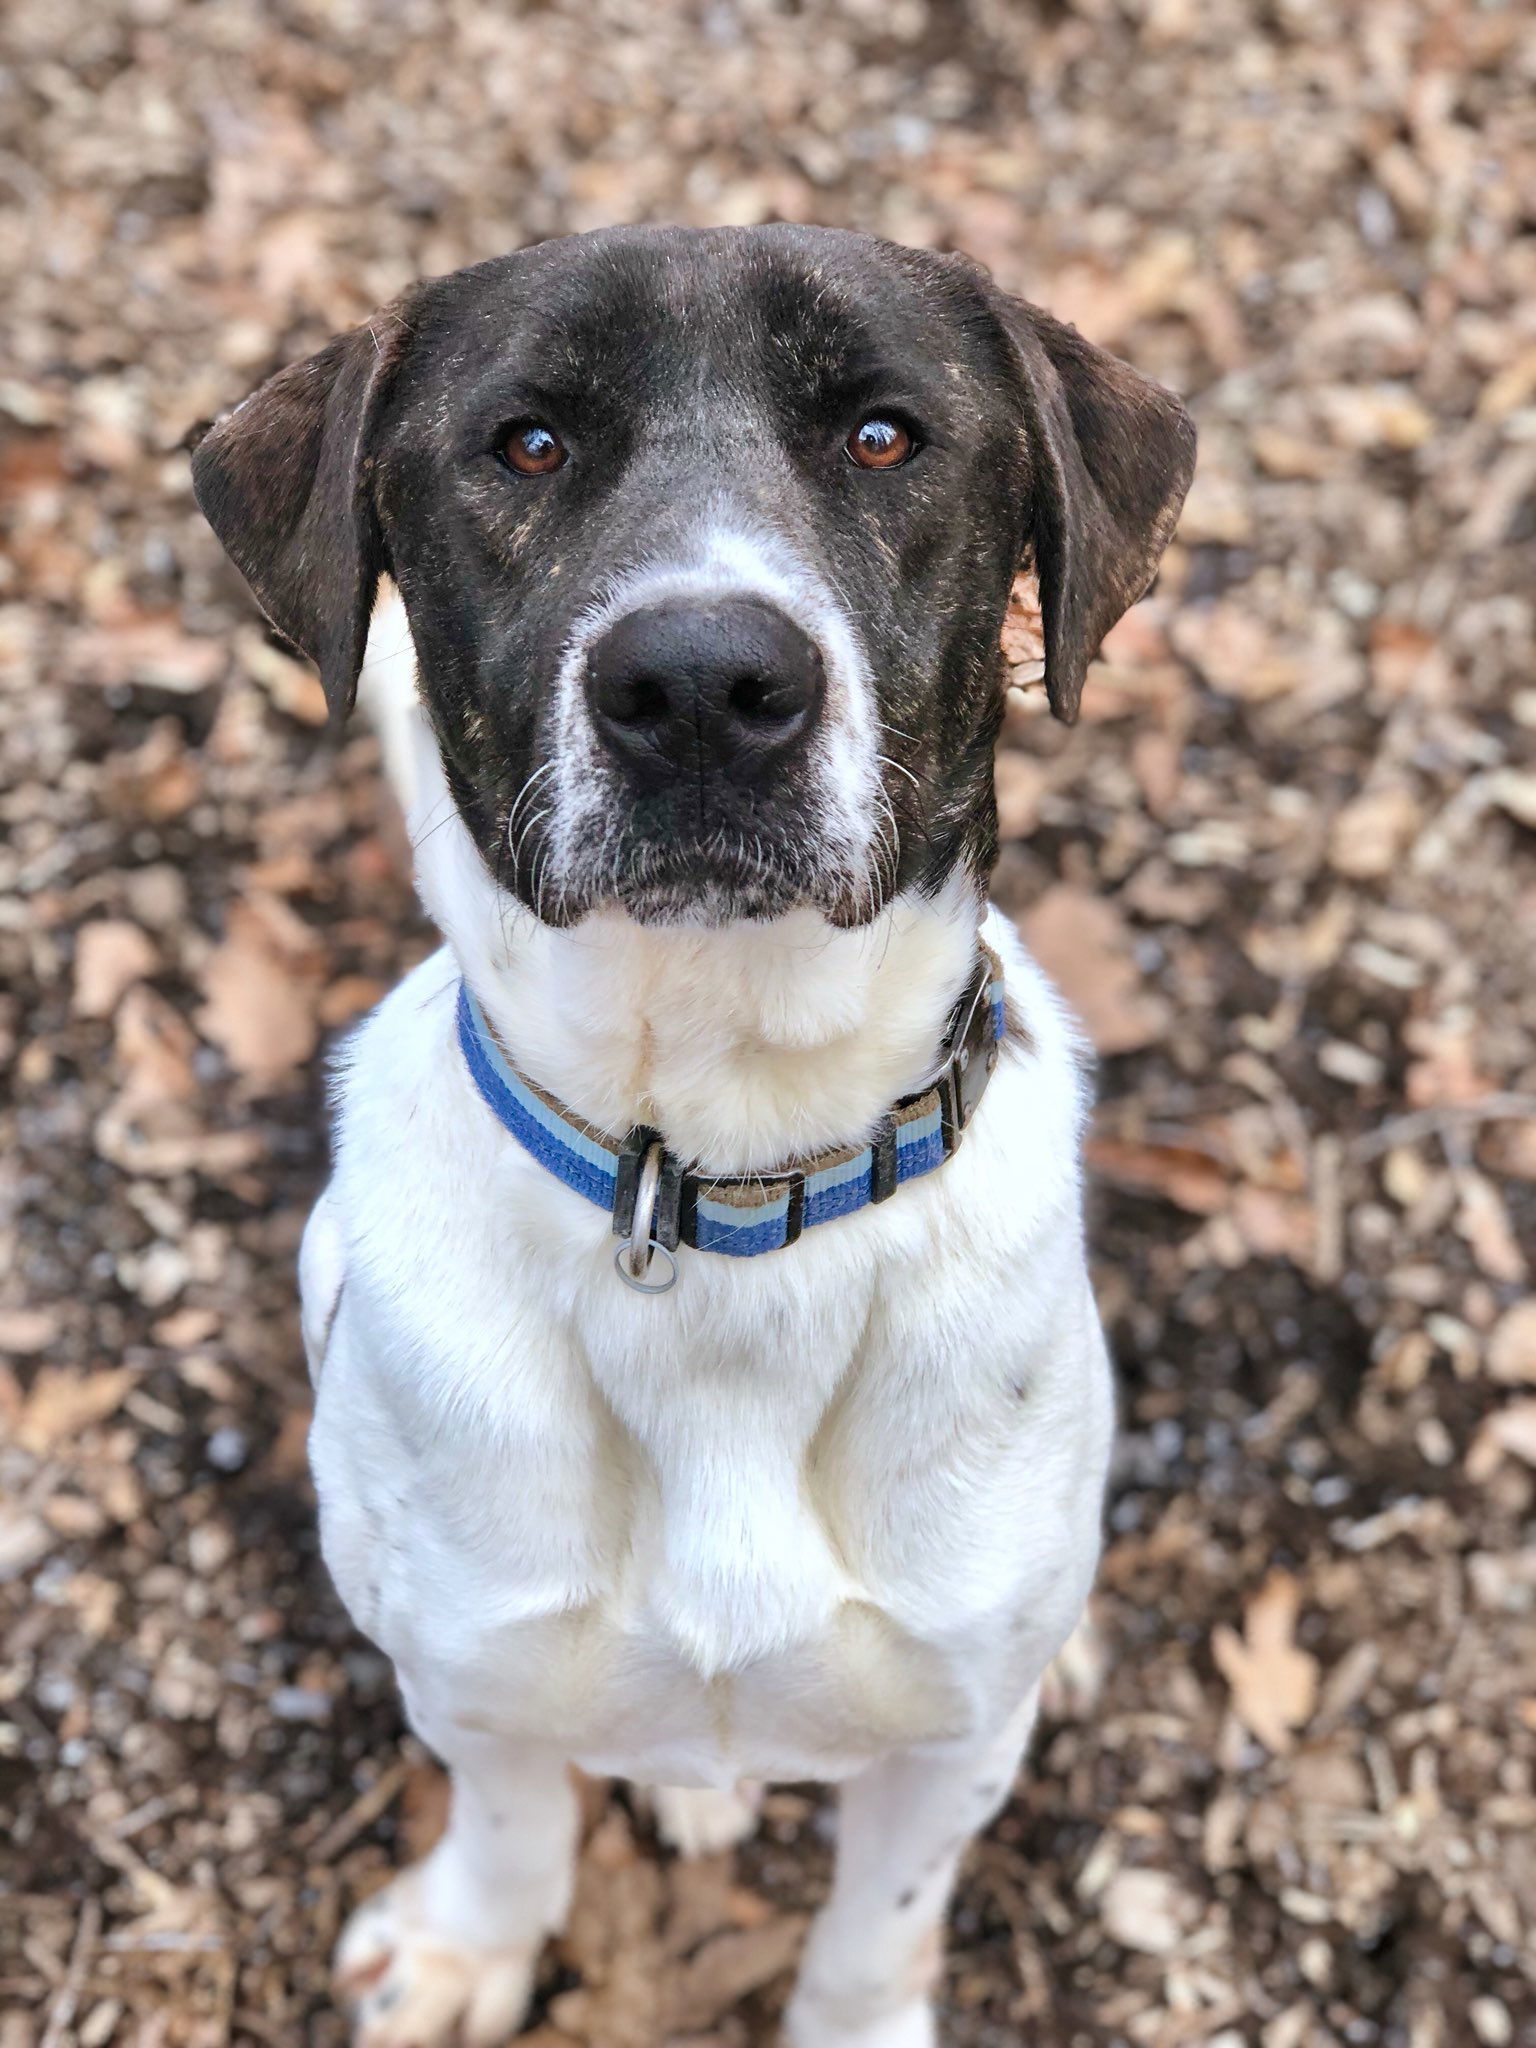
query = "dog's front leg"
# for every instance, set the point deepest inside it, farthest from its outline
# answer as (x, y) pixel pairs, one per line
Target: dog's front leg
(448, 1950)
(873, 1956)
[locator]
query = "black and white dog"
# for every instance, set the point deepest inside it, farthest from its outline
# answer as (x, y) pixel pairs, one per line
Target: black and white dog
(692, 1404)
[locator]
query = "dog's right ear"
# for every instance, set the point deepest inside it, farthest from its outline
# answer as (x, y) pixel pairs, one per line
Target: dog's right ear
(284, 482)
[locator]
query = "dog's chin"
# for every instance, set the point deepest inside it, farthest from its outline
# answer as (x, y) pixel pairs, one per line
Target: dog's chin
(706, 890)
(709, 893)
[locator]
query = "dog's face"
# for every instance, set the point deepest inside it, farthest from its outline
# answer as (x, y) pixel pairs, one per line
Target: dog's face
(705, 538)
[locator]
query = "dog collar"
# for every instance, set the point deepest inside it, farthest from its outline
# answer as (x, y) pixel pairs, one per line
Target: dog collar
(658, 1203)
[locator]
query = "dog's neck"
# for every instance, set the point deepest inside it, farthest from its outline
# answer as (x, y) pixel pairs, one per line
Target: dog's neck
(746, 1045)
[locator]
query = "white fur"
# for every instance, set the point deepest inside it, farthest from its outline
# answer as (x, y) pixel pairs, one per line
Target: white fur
(826, 1513)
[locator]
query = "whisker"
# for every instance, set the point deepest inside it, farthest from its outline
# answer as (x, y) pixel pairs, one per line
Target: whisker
(901, 771)
(522, 794)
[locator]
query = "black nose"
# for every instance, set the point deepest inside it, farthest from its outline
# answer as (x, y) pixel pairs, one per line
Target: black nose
(730, 685)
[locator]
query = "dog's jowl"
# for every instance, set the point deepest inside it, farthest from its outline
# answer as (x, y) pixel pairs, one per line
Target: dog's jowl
(709, 1390)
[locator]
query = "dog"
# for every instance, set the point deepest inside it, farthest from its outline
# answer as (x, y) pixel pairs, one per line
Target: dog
(709, 1389)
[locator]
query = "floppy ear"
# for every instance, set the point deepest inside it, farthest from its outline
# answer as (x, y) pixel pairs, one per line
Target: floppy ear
(283, 480)
(1112, 456)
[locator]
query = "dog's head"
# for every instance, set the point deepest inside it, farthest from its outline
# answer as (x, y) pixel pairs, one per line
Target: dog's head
(705, 538)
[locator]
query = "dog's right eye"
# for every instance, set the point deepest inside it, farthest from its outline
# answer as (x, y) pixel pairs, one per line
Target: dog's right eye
(533, 449)
(880, 443)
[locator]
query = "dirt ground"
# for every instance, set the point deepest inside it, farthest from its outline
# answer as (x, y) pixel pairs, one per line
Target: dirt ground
(1286, 1794)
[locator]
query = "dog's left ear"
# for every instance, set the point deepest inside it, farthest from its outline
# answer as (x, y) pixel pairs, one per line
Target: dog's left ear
(283, 480)
(1112, 455)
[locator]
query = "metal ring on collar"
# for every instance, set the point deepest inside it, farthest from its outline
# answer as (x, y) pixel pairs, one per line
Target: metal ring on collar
(632, 1260)
(621, 1257)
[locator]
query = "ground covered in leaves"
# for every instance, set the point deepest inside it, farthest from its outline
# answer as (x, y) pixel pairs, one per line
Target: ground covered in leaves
(1286, 866)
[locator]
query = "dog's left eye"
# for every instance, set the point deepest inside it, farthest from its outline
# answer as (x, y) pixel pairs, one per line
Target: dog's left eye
(880, 443)
(533, 449)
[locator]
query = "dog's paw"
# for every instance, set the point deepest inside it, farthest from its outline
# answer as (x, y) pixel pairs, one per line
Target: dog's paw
(698, 1821)
(810, 2024)
(408, 1986)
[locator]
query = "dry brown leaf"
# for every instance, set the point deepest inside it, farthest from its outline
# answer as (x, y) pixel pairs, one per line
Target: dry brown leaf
(1483, 1221)
(1023, 636)
(1509, 388)
(1379, 416)
(30, 464)
(1274, 1683)
(1157, 693)
(701, 1903)
(1407, 662)
(1372, 834)
(153, 649)
(611, 1938)
(1300, 951)
(260, 1010)
(153, 1047)
(1156, 759)
(185, 1327)
(1292, 456)
(349, 997)
(157, 780)
(1074, 1679)
(25, 1540)
(1218, 511)
(1231, 650)
(1510, 1432)
(1273, 1225)
(152, 1126)
(285, 874)
(1330, 1774)
(1139, 640)
(293, 687)
(1181, 1174)
(1020, 783)
(1514, 791)
(703, 1989)
(163, 1143)
(110, 956)
(423, 1808)
(1446, 1070)
(63, 1402)
(1101, 303)
(288, 1457)
(26, 1331)
(1148, 1911)
(1510, 1149)
(1084, 945)
(1512, 1345)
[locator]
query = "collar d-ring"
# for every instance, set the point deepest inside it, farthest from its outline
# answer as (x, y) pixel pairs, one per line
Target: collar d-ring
(633, 1259)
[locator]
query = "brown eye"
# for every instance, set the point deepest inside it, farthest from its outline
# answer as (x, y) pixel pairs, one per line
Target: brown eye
(533, 449)
(880, 444)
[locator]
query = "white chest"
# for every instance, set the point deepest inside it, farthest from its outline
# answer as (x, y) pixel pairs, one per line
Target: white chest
(776, 1547)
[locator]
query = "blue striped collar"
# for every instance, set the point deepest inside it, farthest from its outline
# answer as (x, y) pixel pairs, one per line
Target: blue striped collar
(742, 1215)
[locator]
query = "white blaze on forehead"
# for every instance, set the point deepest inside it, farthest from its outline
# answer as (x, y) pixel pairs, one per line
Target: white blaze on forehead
(720, 560)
